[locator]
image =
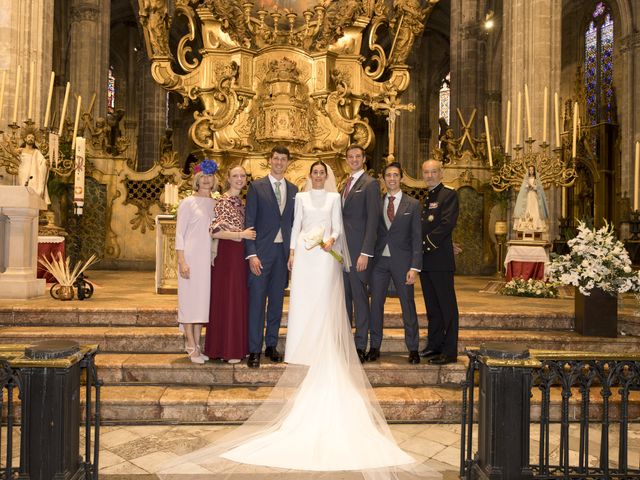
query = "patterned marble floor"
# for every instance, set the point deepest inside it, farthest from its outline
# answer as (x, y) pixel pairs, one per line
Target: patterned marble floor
(135, 452)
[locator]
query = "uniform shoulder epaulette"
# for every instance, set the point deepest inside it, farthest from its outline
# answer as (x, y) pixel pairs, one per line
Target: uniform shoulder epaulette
(450, 188)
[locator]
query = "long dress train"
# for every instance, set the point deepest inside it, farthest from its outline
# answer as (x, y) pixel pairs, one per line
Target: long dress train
(322, 416)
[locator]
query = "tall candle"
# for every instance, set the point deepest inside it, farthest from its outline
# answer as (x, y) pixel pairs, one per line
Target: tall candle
(4, 77)
(556, 118)
(508, 132)
(564, 202)
(528, 109)
(575, 130)
(32, 75)
(14, 117)
(47, 112)
(518, 118)
(545, 113)
(486, 128)
(75, 123)
(636, 178)
(64, 108)
(93, 100)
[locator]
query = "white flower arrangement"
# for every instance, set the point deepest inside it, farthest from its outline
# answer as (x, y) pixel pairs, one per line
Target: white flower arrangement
(597, 260)
(519, 287)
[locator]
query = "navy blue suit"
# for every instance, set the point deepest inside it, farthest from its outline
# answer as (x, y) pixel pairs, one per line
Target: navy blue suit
(263, 214)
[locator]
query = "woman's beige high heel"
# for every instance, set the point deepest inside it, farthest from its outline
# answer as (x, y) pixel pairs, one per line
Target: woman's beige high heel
(194, 359)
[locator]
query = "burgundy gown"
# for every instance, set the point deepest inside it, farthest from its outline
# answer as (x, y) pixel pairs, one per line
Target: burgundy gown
(227, 333)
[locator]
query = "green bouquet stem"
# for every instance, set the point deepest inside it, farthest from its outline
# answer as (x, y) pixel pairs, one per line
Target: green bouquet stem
(334, 254)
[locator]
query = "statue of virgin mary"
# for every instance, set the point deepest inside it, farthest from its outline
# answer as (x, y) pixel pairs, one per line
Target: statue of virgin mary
(531, 212)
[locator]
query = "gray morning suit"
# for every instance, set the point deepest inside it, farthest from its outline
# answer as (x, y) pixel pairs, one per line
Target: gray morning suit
(360, 212)
(404, 238)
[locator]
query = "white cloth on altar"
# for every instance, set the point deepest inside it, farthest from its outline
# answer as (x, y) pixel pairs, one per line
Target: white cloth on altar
(526, 253)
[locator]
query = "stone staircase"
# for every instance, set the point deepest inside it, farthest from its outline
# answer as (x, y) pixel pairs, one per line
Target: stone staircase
(148, 379)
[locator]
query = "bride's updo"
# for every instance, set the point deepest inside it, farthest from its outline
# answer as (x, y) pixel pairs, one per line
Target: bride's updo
(318, 162)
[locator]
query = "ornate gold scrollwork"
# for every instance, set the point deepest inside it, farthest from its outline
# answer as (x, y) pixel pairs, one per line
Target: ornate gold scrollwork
(378, 57)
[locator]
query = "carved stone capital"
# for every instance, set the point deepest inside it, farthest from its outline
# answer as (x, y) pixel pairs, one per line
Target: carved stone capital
(84, 13)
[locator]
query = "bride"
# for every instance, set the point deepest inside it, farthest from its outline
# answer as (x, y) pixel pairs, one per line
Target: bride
(322, 416)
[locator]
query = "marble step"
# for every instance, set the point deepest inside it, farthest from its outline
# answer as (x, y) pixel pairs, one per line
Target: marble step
(176, 369)
(189, 404)
(170, 340)
(75, 315)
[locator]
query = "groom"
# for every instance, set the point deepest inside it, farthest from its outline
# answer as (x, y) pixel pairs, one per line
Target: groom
(270, 211)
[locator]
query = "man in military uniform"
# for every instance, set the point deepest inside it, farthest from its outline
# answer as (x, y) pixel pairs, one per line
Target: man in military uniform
(439, 216)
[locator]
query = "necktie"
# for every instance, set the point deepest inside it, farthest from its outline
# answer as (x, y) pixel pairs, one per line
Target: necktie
(391, 213)
(278, 195)
(347, 187)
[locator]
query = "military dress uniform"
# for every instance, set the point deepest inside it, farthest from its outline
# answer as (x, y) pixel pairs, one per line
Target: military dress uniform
(439, 217)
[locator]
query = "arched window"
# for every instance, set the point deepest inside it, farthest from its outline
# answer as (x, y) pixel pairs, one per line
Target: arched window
(598, 65)
(445, 99)
(111, 92)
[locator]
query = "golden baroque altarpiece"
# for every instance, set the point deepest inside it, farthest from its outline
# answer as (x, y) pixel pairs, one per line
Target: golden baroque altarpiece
(267, 74)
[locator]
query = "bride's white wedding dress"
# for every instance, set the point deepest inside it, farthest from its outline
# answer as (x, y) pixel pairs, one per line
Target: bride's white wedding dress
(322, 416)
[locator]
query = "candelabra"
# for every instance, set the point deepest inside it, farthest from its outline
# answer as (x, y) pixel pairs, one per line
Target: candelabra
(634, 225)
(550, 167)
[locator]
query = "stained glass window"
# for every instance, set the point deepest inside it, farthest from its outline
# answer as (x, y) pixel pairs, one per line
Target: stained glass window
(445, 99)
(111, 91)
(598, 65)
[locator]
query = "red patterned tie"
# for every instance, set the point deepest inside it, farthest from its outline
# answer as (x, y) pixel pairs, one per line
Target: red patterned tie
(347, 187)
(391, 212)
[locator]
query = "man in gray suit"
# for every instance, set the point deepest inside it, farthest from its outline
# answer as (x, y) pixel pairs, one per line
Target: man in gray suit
(398, 255)
(360, 211)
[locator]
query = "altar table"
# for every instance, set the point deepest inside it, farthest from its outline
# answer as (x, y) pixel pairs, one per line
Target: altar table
(523, 261)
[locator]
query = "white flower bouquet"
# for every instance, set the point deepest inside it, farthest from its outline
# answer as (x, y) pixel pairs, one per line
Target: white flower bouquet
(597, 260)
(519, 287)
(315, 238)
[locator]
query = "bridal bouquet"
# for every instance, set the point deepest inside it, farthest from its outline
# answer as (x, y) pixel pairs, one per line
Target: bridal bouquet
(315, 238)
(597, 260)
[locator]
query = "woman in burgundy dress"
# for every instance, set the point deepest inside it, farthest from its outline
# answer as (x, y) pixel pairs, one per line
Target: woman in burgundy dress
(227, 336)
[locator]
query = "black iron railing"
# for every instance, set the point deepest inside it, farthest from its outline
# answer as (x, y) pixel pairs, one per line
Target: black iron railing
(12, 389)
(571, 396)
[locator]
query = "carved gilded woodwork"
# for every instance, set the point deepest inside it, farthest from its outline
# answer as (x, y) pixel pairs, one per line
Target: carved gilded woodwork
(292, 76)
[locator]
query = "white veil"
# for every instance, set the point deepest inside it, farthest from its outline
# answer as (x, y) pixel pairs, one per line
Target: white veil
(323, 414)
(330, 185)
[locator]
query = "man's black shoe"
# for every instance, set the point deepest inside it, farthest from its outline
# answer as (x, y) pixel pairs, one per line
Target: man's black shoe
(373, 355)
(254, 360)
(442, 360)
(428, 353)
(273, 354)
(361, 355)
(414, 357)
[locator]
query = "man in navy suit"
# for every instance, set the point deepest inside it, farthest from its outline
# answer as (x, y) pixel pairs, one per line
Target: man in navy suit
(398, 256)
(360, 211)
(269, 211)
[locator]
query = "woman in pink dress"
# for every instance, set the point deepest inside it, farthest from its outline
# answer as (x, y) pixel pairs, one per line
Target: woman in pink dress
(193, 248)
(227, 336)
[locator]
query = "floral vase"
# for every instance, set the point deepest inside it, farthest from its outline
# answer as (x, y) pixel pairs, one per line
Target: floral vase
(596, 314)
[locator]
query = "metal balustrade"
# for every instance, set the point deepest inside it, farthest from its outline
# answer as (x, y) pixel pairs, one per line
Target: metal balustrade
(579, 392)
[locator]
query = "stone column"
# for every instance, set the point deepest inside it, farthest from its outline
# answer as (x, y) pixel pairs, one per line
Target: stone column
(468, 62)
(26, 32)
(89, 53)
(152, 117)
(407, 141)
(531, 54)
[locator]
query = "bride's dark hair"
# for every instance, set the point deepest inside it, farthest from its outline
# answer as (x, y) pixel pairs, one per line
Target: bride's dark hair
(318, 162)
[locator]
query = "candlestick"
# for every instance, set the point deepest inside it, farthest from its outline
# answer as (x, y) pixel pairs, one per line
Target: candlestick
(518, 118)
(486, 128)
(47, 112)
(564, 202)
(75, 123)
(93, 100)
(64, 108)
(557, 118)
(14, 117)
(575, 130)
(636, 178)
(528, 109)
(32, 75)
(545, 112)
(4, 77)
(506, 137)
